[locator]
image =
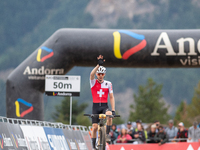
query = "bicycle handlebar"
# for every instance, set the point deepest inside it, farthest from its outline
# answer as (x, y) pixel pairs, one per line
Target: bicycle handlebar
(96, 115)
(87, 115)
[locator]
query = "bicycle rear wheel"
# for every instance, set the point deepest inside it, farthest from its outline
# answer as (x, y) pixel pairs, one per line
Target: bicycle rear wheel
(102, 145)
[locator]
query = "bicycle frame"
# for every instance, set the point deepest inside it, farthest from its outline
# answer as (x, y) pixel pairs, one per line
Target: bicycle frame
(101, 128)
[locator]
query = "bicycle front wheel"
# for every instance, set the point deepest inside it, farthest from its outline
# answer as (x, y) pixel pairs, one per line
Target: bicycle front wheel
(102, 145)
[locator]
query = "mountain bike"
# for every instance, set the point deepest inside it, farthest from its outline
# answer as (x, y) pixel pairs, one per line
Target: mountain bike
(101, 144)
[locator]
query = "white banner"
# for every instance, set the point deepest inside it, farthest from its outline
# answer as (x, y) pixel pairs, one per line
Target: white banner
(62, 85)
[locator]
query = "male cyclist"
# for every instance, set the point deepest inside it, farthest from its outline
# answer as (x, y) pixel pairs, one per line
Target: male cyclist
(100, 89)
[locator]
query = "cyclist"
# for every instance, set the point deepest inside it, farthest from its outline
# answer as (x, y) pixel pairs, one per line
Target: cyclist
(100, 89)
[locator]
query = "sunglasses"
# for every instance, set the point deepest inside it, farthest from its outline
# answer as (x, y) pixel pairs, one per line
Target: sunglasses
(100, 74)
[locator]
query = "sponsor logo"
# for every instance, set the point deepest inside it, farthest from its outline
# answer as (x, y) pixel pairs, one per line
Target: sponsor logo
(42, 71)
(25, 112)
(57, 142)
(1, 141)
(131, 51)
(38, 73)
(71, 144)
(15, 140)
(55, 93)
(18, 140)
(191, 57)
(50, 51)
(62, 94)
(32, 143)
(43, 143)
(5, 141)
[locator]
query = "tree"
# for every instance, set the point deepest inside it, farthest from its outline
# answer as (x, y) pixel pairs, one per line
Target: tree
(149, 105)
(62, 113)
(83, 120)
(181, 114)
(193, 107)
(118, 120)
(189, 113)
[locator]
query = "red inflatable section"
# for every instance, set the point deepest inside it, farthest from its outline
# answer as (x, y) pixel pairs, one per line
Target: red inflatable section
(168, 146)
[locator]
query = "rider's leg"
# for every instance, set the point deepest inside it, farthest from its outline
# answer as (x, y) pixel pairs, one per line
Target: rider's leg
(109, 122)
(94, 133)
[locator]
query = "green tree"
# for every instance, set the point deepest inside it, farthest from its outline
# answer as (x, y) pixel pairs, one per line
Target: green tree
(118, 120)
(62, 113)
(81, 120)
(193, 108)
(149, 105)
(181, 114)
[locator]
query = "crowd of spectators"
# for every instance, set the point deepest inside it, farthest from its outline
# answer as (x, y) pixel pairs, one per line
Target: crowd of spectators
(156, 134)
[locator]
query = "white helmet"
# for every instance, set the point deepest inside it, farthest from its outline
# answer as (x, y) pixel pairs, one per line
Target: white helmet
(101, 69)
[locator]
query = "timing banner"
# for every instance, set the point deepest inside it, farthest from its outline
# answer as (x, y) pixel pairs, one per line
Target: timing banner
(31, 139)
(67, 48)
(79, 140)
(17, 137)
(69, 136)
(87, 139)
(6, 141)
(56, 138)
(41, 137)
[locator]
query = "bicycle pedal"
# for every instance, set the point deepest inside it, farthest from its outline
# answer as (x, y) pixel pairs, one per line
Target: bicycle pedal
(97, 147)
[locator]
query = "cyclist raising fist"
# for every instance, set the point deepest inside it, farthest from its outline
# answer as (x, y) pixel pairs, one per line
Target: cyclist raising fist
(100, 89)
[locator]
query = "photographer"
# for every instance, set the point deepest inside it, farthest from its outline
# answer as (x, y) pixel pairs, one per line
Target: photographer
(161, 137)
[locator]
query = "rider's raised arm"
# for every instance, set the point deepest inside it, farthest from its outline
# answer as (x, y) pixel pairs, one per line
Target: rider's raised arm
(92, 74)
(100, 62)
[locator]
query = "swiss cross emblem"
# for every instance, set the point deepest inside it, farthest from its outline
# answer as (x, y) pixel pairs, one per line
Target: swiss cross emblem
(100, 92)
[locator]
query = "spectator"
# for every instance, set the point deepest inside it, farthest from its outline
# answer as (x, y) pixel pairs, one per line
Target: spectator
(124, 137)
(138, 122)
(113, 133)
(161, 137)
(139, 135)
(194, 133)
(182, 132)
(145, 132)
(157, 123)
(129, 128)
(151, 134)
(171, 130)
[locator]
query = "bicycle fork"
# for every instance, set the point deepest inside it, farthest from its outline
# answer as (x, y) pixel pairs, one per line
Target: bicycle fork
(99, 130)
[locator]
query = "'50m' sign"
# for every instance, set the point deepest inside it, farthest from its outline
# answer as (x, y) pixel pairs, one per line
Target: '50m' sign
(62, 85)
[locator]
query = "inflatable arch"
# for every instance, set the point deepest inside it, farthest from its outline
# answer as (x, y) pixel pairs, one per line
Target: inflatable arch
(80, 47)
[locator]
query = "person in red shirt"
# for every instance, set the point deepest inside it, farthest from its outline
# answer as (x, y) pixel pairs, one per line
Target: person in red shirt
(100, 90)
(182, 133)
(124, 137)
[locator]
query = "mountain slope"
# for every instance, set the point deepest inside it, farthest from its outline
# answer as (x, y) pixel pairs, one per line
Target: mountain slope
(178, 84)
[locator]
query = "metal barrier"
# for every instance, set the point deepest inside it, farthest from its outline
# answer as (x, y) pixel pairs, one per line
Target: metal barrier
(32, 131)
